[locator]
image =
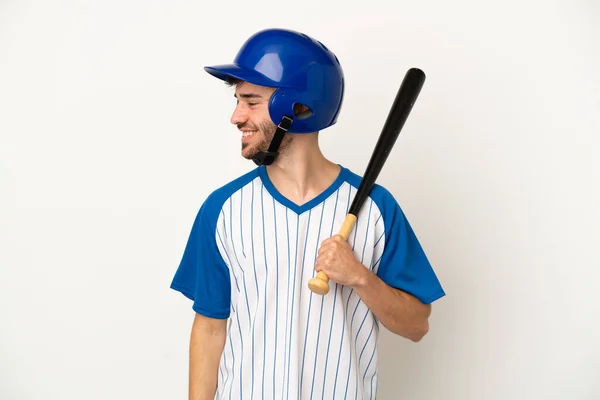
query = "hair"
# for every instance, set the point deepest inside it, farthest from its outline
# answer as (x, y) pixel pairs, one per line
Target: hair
(231, 81)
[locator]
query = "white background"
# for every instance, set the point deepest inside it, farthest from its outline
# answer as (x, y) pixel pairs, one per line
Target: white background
(112, 135)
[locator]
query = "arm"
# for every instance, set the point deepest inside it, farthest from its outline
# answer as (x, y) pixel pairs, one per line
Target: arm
(400, 312)
(206, 346)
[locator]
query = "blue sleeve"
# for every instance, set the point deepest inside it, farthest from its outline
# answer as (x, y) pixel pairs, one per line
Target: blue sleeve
(404, 264)
(202, 275)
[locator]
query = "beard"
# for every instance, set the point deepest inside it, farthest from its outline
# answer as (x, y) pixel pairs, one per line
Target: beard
(263, 137)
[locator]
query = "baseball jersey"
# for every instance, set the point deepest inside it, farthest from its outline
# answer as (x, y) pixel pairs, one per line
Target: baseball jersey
(248, 259)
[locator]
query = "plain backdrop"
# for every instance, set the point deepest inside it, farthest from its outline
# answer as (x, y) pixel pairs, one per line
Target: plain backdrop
(112, 135)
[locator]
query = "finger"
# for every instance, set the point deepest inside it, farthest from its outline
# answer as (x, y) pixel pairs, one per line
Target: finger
(327, 247)
(333, 239)
(321, 261)
(322, 250)
(318, 262)
(320, 266)
(328, 239)
(338, 239)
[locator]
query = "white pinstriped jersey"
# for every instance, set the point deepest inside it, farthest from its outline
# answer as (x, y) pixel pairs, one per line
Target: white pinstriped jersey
(249, 257)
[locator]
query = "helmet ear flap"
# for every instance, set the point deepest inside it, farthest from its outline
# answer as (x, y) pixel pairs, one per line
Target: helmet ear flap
(286, 102)
(282, 104)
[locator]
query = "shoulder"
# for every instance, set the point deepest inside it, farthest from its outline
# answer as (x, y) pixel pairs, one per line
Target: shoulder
(212, 206)
(379, 194)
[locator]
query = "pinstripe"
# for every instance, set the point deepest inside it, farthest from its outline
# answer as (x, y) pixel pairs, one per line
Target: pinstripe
(223, 222)
(361, 353)
(287, 311)
(378, 218)
(370, 360)
(309, 307)
(321, 313)
(376, 265)
(367, 232)
(221, 243)
(351, 353)
(256, 282)
(276, 295)
(245, 295)
(287, 301)
(238, 261)
(371, 392)
(221, 371)
(241, 213)
(228, 262)
(361, 325)
(367, 311)
(366, 342)
(293, 298)
(242, 356)
(380, 237)
(262, 210)
(352, 349)
(337, 369)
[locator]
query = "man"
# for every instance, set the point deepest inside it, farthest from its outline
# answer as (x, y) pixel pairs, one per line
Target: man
(258, 331)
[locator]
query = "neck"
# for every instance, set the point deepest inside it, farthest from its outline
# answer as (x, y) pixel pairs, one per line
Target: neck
(301, 172)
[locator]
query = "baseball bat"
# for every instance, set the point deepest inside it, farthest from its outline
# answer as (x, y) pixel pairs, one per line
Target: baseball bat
(403, 103)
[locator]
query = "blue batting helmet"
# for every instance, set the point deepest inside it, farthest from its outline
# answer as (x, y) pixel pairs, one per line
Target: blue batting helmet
(302, 70)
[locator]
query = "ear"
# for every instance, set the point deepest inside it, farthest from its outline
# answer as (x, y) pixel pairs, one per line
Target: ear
(301, 111)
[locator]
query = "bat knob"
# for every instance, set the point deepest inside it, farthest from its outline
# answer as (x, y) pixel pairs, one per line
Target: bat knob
(319, 284)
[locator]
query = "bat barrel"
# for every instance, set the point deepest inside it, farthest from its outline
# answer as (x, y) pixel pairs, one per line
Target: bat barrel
(403, 103)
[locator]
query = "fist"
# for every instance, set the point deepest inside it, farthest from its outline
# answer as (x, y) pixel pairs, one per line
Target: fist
(336, 259)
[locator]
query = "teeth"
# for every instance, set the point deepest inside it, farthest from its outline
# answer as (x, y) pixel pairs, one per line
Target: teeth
(246, 134)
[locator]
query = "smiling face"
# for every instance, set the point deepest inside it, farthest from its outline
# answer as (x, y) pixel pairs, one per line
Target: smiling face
(251, 116)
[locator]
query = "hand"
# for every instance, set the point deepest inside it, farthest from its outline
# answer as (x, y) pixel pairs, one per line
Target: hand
(336, 259)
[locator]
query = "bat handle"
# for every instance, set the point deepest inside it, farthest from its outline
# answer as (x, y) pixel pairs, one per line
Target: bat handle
(320, 283)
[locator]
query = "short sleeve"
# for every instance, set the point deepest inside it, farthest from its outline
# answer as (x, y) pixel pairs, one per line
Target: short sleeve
(202, 275)
(404, 264)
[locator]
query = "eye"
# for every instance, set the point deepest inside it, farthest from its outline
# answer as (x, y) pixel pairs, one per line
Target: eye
(252, 104)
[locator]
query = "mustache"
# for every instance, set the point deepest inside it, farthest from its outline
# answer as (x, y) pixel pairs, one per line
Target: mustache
(246, 125)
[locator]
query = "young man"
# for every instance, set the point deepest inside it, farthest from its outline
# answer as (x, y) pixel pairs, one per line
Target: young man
(258, 331)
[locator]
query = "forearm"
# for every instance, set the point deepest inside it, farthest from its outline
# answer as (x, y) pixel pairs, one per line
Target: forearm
(398, 311)
(206, 347)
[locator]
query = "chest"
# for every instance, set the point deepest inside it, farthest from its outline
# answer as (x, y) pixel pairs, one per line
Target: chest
(267, 242)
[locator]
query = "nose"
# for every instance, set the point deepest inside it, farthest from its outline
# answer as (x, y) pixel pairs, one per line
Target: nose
(239, 115)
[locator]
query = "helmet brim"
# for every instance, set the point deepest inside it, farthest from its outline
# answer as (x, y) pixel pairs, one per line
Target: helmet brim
(226, 71)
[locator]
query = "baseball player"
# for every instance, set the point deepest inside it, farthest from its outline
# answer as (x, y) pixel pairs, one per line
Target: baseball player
(258, 331)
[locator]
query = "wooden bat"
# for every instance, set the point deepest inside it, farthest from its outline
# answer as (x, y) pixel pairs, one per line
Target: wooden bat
(405, 99)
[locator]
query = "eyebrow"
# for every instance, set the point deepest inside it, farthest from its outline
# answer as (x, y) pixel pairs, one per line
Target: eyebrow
(248, 96)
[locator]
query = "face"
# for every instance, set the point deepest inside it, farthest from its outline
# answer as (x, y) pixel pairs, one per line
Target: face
(251, 116)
